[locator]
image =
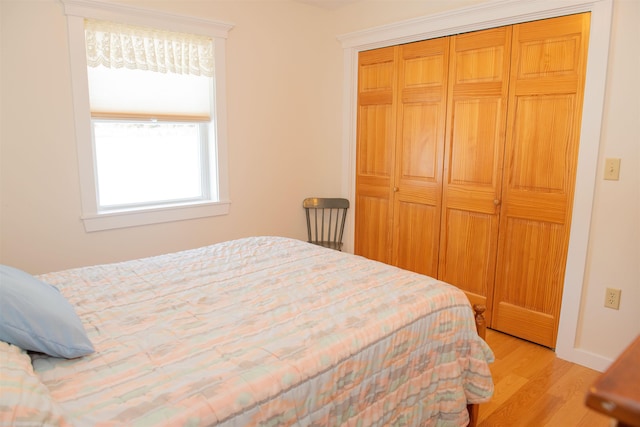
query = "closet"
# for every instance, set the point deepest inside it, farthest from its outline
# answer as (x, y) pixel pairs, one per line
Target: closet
(465, 164)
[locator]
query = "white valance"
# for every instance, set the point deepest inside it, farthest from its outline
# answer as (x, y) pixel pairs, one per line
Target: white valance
(116, 45)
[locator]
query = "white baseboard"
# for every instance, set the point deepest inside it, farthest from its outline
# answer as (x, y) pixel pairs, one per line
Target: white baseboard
(586, 358)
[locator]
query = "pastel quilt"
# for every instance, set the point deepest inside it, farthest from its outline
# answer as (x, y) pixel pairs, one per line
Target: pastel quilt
(262, 331)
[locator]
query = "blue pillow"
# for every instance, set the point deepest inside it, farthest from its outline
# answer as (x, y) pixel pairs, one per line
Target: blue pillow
(35, 316)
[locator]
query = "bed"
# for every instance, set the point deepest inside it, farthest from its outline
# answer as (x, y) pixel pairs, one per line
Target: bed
(260, 331)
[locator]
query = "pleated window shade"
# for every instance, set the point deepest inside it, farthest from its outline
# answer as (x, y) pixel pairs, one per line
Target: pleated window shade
(144, 73)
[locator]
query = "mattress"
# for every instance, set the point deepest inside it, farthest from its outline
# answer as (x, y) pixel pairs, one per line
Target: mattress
(261, 331)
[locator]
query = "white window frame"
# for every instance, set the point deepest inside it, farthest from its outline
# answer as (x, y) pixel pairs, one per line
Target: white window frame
(94, 220)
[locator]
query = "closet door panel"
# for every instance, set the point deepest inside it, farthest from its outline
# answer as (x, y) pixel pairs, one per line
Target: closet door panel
(536, 160)
(476, 122)
(540, 174)
(422, 84)
(462, 265)
(376, 150)
(416, 245)
(475, 145)
(419, 143)
(532, 261)
(372, 217)
(375, 153)
(545, 108)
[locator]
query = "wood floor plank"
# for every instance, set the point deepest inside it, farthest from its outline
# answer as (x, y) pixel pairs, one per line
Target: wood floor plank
(506, 387)
(571, 389)
(532, 401)
(535, 388)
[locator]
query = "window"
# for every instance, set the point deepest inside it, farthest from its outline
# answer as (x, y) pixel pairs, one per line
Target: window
(149, 111)
(147, 163)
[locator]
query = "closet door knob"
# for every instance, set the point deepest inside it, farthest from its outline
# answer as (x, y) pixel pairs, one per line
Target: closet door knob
(496, 202)
(396, 189)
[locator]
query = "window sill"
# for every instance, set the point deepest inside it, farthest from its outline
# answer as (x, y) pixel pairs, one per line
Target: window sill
(133, 218)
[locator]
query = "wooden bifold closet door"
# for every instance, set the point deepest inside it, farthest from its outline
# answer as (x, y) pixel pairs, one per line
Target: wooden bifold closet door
(466, 158)
(473, 162)
(401, 97)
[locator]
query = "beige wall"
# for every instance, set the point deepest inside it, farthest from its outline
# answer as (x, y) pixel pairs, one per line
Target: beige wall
(283, 75)
(285, 82)
(614, 241)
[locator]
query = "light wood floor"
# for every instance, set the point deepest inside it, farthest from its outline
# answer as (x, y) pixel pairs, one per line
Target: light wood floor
(535, 388)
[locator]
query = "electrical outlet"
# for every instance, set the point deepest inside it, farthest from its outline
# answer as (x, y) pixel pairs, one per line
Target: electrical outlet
(612, 298)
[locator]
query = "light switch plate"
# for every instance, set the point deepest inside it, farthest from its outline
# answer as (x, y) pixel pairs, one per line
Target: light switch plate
(612, 169)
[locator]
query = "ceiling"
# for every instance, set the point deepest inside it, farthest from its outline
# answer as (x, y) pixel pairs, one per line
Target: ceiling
(327, 4)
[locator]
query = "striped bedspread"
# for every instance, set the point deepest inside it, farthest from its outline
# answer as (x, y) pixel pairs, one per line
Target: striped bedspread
(261, 331)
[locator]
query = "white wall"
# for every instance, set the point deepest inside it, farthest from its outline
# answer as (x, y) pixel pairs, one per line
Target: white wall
(283, 74)
(285, 81)
(614, 246)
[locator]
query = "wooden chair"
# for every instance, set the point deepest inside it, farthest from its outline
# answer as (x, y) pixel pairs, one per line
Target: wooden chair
(325, 221)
